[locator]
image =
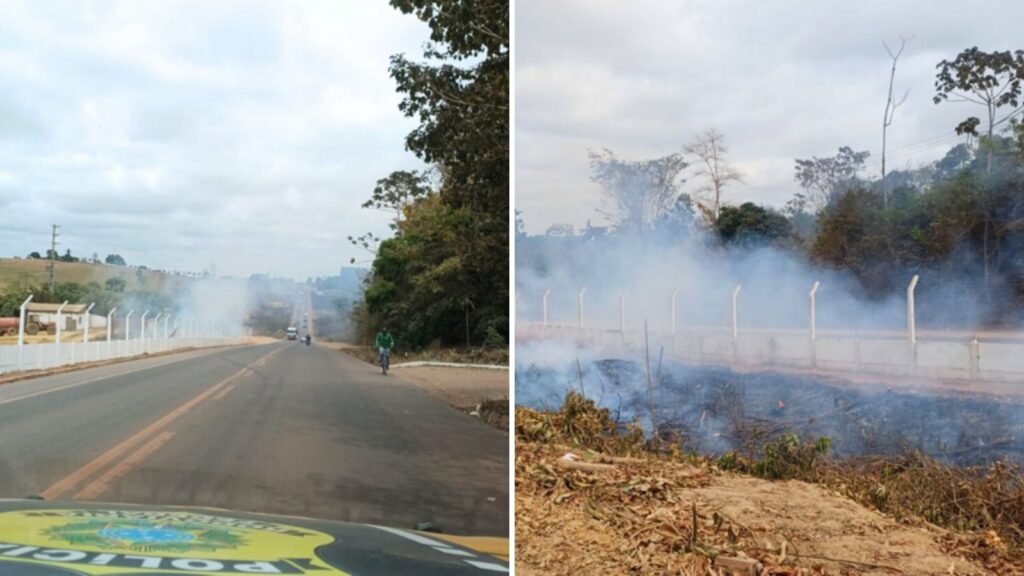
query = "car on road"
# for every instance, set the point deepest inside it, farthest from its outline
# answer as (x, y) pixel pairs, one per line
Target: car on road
(292, 333)
(58, 538)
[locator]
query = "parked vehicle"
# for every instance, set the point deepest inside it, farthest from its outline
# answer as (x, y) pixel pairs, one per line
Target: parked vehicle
(9, 327)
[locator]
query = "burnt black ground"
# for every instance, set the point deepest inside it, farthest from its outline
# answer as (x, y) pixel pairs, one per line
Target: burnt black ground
(717, 410)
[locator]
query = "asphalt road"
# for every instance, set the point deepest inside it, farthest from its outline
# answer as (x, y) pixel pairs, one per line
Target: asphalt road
(280, 428)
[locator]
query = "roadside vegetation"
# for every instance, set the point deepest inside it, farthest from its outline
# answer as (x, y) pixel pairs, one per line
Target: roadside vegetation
(657, 503)
(442, 277)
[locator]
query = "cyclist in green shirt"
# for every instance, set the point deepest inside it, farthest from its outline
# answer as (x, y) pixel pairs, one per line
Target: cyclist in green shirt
(384, 343)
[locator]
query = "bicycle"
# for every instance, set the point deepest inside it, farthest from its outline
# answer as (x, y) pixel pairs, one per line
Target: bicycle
(384, 359)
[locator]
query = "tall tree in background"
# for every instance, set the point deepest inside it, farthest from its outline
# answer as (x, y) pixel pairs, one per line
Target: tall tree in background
(444, 276)
(891, 104)
(398, 191)
(992, 80)
(989, 79)
(822, 178)
(641, 192)
(709, 147)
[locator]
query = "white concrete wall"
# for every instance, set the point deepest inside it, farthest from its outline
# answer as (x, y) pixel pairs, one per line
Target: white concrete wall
(943, 358)
(40, 356)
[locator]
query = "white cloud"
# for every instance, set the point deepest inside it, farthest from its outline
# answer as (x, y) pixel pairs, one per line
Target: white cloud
(182, 134)
(782, 80)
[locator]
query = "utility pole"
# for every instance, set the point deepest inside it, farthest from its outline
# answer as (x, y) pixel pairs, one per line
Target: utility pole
(53, 253)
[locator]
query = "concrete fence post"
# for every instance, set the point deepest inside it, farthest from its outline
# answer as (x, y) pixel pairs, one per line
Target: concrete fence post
(110, 332)
(622, 315)
(88, 321)
(60, 328)
(974, 361)
(735, 325)
(21, 329)
(155, 334)
(128, 331)
(675, 292)
(735, 314)
(813, 321)
(544, 308)
(912, 321)
(580, 306)
(142, 332)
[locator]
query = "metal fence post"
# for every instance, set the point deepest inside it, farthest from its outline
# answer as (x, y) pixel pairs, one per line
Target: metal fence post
(21, 329)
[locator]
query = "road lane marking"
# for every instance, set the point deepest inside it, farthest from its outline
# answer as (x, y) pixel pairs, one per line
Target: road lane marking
(224, 392)
(100, 484)
(71, 480)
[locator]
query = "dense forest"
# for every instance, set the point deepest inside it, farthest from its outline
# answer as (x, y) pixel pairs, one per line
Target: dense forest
(443, 275)
(960, 217)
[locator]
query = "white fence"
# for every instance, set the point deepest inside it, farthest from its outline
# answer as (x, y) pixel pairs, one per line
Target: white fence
(927, 354)
(953, 356)
(49, 355)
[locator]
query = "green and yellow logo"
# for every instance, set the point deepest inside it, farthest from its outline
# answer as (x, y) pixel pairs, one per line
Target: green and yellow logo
(116, 541)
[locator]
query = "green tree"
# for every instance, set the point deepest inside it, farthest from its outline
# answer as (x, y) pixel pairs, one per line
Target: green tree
(34, 256)
(451, 249)
(750, 225)
(989, 79)
(115, 260)
(400, 189)
(115, 284)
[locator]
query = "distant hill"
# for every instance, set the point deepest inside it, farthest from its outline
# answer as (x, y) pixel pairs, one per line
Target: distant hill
(84, 272)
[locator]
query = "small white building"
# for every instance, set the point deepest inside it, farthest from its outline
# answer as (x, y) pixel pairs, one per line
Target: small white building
(73, 316)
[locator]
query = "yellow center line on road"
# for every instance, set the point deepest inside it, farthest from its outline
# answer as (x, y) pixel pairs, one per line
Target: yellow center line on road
(64, 485)
(224, 392)
(97, 486)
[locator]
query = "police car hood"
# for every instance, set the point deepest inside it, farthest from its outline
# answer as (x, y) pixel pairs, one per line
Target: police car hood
(40, 538)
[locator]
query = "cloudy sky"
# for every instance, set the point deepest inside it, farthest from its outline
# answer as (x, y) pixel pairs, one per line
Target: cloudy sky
(783, 79)
(183, 134)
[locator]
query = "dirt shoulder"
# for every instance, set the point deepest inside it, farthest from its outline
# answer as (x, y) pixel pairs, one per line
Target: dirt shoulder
(479, 392)
(651, 515)
(497, 356)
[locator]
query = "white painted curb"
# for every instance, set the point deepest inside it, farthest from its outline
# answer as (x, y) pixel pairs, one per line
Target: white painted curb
(450, 365)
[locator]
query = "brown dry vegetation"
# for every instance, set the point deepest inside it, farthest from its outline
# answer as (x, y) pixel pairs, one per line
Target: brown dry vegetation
(660, 511)
(82, 273)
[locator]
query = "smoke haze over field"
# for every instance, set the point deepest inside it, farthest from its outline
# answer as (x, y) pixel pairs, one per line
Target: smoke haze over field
(187, 134)
(774, 287)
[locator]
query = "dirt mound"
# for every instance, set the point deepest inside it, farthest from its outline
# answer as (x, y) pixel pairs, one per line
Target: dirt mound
(638, 518)
(595, 497)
